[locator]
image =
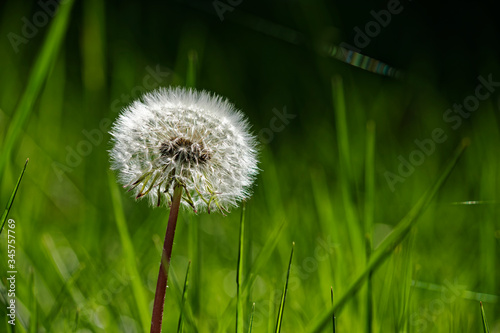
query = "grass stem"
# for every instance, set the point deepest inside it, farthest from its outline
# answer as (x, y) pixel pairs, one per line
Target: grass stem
(3, 219)
(239, 275)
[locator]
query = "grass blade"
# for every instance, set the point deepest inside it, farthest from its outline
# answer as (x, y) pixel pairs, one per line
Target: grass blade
(195, 254)
(271, 312)
(63, 294)
(239, 275)
(59, 265)
(334, 325)
(347, 183)
(279, 321)
(369, 214)
(263, 256)
(33, 327)
(404, 275)
(251, 318)
(129, 253)
(261, 259)
(390, 242)
(77, 318)
(341, 127)
(486, 329)
(192, 69)
(36, 79)
(183, 301)
(12, 197)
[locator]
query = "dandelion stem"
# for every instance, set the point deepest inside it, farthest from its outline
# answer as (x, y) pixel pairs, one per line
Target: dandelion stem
(161, 285)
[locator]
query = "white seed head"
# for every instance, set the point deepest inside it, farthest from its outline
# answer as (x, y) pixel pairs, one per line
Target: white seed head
(179, 136)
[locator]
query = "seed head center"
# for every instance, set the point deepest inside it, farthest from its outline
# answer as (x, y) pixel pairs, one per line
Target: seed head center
(183, 150)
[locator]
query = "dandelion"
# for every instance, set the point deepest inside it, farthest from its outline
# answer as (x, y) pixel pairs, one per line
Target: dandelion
(179, 146)
(184, 137)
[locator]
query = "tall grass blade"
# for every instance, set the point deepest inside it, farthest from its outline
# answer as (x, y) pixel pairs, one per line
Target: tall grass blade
(41, 67)
(77, 319)
(271, 312)
(391, 241)
(263, 256)
(33, 327)
(183, 301)
(342, 130)
(486, 329)
(195, 253)
(192, 68)
(12, 197)
(334, 324)
(239, 275)
(251, 318)
(369, 214)
(279, 321)
(129, 253)
(347, 183)
(259, 262)
(58, 264)
(92, 48)
(63, 295)
(405, 270)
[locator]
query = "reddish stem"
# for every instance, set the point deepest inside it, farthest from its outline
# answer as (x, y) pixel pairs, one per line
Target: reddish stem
(161, 285)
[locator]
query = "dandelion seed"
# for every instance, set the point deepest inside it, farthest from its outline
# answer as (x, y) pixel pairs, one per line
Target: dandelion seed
(179, 136)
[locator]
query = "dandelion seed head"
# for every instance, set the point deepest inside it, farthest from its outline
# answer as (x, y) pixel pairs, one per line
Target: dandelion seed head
(179, 136)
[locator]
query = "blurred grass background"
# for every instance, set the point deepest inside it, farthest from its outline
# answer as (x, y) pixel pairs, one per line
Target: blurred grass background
(75, 271)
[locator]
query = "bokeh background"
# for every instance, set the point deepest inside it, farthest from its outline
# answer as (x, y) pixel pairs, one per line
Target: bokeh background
(88, 255)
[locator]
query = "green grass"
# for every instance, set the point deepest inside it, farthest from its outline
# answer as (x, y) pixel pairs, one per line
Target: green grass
(281, 310)
(36, 79)
(183, 303)
(240, 303)
(129, 254)
(87, 255)
(5, 213)
(393, 240)
(486, 329)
